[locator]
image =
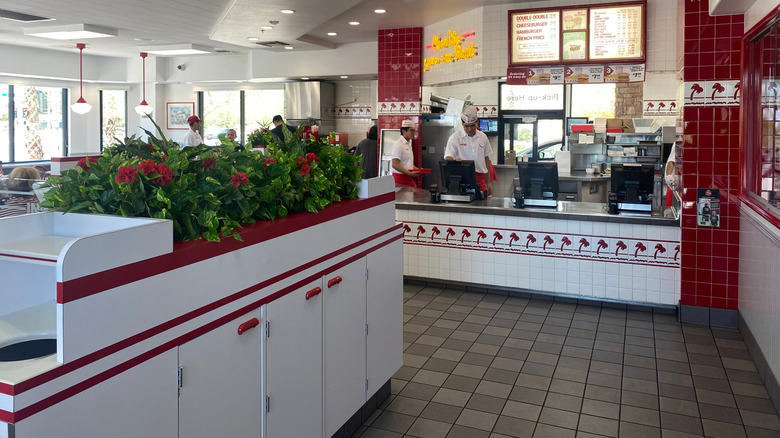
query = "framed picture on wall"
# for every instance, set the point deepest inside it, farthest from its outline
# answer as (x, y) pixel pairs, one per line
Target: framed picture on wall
(178, 113)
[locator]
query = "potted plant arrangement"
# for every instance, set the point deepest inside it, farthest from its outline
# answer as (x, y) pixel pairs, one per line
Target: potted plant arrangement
(207, 192)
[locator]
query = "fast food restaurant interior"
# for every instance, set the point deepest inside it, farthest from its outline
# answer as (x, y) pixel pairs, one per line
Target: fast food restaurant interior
(621, 277)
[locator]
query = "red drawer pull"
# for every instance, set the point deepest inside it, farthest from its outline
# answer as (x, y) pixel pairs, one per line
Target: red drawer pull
(314, 292)
(254, 322)
(334, 281)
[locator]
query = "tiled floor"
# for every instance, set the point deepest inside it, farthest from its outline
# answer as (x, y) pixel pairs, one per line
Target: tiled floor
(478, 365)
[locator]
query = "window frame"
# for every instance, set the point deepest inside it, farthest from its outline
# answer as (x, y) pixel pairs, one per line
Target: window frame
(12, 119)
(751, 120)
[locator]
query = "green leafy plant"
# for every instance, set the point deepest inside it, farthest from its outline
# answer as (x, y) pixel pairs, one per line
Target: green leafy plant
(206, 192)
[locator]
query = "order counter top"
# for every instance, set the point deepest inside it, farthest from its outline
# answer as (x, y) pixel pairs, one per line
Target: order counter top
(576, 175)
(408, 198)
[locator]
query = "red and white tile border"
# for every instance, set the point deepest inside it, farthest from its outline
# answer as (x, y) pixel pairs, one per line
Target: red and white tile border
(598, 260)
(706, 93)
(649, 252)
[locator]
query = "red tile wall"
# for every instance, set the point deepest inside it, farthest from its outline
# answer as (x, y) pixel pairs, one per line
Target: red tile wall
(400, 78)
(708, 50)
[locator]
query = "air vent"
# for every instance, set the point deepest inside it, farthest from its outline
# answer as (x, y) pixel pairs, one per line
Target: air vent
(222, 51)
(22, 18)
(271, 44)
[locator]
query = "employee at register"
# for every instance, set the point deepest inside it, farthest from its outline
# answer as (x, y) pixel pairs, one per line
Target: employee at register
(471, 144)
(403, 157)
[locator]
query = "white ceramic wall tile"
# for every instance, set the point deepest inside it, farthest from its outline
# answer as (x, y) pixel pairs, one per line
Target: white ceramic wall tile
(759, 302)
(356, 94)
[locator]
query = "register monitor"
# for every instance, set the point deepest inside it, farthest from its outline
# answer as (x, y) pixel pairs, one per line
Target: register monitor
(633, 185)
(539, 182)
(459, 179)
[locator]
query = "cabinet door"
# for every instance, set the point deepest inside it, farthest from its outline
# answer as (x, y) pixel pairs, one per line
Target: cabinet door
(384, 308)
(220, 392)
(345, 344)
(293, 364)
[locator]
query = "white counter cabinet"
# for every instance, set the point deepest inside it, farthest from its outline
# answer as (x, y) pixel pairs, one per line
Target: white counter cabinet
(147, 332)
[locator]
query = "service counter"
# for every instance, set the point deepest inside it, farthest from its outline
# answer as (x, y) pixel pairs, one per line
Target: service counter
(576, 250)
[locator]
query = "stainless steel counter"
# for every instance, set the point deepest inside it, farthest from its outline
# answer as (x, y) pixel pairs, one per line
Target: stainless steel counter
(409, 198)
(576, 175)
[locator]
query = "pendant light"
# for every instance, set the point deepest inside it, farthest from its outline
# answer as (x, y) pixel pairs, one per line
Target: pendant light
(144, 108)
(81, 106)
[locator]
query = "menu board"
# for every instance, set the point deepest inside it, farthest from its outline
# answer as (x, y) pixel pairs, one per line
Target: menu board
(616, 33)
(579, 35)
(535, 37)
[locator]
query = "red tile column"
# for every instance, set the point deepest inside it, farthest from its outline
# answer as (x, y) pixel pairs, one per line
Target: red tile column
(399, 86)
(708, 64)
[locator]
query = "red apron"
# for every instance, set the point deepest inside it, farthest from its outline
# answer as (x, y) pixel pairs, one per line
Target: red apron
(402, 179)
(481, 181)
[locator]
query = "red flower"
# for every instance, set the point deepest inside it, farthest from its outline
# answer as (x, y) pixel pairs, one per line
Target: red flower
(150, 147)
(239, 178)
(268, 161)
(311, 157)
(126, 175)
(148, 167)
(305, 169)
(83, 163)
(208, 163)
(166, 175)
(301, 160)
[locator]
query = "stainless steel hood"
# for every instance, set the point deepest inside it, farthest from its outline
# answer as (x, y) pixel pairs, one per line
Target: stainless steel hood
(308, 100)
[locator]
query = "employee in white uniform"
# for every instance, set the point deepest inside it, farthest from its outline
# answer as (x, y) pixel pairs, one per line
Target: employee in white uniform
(192, 138)
(403, 169)
(471, 144)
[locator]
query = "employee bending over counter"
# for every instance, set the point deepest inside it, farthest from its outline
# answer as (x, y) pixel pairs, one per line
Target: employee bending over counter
(471, 145)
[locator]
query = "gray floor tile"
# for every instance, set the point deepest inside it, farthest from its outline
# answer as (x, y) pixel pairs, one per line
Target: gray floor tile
(681, 423)
(477, 419)
(639, 399)
(598, 425)
(441, 412)
(550, 431)
(557, 417)
(718, 429)
(632, 414)
(634, 430)
(720, 413)
(563, 402)
(461, 383)
(501, 376)
(598, 408)
(440, 365)
(393, 422)
(425, 428)
(373, 432)
(567, 387)
(528, 395)
(514, 427)
(486, 403)
(458, 431)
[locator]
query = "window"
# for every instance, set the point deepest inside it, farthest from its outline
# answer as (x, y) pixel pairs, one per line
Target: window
(36, 122)
(221, 111)
(761, 130)
(113, 116)
(260, 107)
(5, 139)
(593, 101)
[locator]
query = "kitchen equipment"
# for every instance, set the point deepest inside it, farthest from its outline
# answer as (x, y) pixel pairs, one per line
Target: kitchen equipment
(598, 168)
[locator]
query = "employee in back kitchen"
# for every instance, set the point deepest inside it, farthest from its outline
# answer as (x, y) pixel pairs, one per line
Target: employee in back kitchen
(403, 169)
(193, 137)
(278, 122)
(471, 145)
(367, 149)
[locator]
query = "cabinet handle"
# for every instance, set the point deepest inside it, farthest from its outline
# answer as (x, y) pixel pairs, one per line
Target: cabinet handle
(254, 322)
(334, 281)
(314, 292)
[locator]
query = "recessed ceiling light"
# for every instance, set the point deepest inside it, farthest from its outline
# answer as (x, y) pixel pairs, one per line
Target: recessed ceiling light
(288, 47)
(354, 23)
(266, 27)
(287, 11)
(380, 11)
(253, 39)
(304, 79)
(344, 77)
(145, 40)
(72, 32)
(332, 34)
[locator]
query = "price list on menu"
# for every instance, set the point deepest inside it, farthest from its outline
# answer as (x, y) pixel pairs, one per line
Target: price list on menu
(616, 32)
(535, 37)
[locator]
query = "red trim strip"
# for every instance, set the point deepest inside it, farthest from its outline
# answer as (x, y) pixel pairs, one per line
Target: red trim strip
(37, 259)
(186, 253)
(111, 349)
(34, 408)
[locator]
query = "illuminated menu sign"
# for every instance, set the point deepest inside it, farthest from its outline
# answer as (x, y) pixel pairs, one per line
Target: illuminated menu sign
(578, 35)
(535, 37)
(616, 33)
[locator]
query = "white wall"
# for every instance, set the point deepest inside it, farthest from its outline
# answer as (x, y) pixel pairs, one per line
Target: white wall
(349, 59)
(759, 10)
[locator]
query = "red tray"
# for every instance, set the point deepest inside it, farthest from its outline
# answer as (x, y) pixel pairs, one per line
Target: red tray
(421, 171)
(582, 128)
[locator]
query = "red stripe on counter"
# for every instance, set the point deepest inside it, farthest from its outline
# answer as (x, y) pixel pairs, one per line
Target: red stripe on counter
(37, 259)
(111, 349)
(118, 369)
(187, 253)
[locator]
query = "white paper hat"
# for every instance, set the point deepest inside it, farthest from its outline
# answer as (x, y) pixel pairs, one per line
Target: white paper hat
(407, 124)
(469, 115)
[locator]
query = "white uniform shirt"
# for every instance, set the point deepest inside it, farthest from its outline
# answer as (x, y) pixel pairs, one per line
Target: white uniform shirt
(402, 150)
(191, 139)
(474, 148)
